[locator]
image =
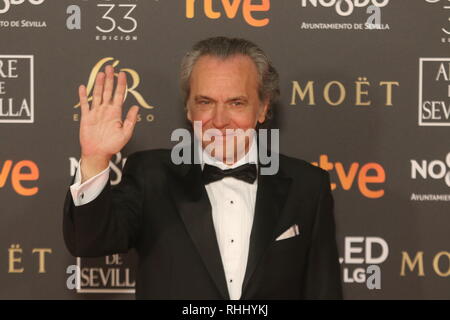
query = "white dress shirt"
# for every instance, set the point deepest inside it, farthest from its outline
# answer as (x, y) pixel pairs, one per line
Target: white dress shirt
(87, 191)
(233, 207)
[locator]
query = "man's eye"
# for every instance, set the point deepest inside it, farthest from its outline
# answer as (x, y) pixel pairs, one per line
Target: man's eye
(237, 103)
(203, 102)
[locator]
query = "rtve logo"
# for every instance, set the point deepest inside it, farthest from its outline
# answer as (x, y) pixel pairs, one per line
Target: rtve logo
(360, 173)
(230, 8)
(24, 170)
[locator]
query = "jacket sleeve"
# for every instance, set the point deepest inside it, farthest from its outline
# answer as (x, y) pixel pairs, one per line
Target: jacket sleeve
(323, 273)
(110, 223)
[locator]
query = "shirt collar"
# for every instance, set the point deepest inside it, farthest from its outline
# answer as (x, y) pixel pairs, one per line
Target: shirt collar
(250, 157)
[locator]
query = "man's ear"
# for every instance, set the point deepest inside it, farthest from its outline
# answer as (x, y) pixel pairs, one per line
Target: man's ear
(263, 111)
(188, 113)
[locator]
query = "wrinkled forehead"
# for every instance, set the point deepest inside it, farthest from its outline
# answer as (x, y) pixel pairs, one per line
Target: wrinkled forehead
(231, 72)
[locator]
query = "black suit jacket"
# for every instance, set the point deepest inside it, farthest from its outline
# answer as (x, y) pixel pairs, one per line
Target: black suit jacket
(163, 211)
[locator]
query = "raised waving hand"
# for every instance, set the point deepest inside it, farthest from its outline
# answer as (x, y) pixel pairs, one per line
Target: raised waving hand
(103, 133)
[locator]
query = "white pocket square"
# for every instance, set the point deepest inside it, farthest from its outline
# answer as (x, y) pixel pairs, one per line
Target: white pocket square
(292, 231)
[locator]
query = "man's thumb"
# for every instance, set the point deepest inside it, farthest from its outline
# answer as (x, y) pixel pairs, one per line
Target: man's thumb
(130, 120)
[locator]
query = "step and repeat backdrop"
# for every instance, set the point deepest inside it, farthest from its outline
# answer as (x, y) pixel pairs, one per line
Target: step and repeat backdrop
(365, 94)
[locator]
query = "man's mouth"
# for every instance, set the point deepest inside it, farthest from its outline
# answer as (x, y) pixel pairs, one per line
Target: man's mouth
(230, 133)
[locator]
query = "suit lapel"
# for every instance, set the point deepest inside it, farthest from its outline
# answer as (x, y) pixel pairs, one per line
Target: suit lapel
(270, 198)
(195, 210)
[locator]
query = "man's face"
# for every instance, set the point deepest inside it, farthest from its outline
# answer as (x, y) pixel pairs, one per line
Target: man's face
(224, 95)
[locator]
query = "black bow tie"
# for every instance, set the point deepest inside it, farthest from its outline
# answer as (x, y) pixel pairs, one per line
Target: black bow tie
(247, 172)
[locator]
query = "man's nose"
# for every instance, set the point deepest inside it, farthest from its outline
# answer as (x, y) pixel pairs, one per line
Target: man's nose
(220, 117)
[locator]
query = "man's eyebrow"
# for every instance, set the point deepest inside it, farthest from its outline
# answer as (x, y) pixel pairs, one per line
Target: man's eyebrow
(199, 97)
(237, 98)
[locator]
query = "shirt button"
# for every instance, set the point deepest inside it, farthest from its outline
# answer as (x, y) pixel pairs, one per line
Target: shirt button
(232, 240)
(231, 280)
(82, 195)
(231, 201)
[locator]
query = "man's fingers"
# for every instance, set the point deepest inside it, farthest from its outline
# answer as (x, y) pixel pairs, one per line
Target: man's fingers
(98, 90)
(109, 84)
(84, 105)
(120, 89)
(130, 121)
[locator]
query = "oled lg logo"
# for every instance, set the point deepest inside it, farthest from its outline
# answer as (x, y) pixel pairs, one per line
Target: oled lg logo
(5, 5)
(362, 257)
(230, 8)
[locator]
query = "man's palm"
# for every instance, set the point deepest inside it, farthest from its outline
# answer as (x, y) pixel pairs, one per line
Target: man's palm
(102, 131)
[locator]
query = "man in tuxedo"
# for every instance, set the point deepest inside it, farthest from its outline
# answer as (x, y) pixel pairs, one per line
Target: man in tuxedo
(218, 229)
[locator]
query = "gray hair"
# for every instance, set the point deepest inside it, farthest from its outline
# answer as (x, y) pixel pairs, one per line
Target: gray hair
(224, 47)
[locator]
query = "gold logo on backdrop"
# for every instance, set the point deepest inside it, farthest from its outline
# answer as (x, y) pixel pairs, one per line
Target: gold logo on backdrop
(130, 89)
